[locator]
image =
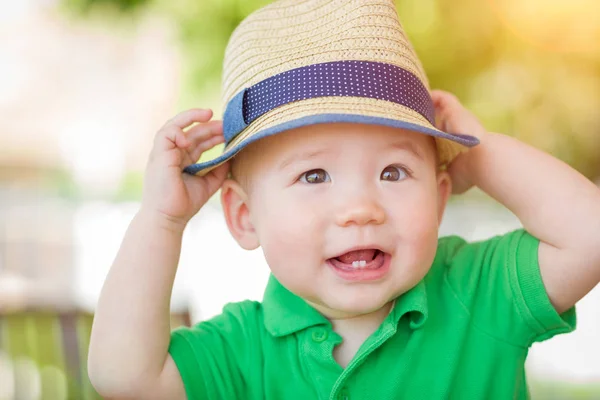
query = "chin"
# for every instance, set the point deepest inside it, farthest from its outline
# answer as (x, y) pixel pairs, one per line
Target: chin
(359, 305)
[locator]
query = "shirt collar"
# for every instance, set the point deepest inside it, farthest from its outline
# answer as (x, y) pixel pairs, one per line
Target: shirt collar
(413, 303)
(286, 313)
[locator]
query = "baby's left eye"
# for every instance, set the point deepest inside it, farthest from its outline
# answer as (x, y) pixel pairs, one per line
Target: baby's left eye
(394, 173)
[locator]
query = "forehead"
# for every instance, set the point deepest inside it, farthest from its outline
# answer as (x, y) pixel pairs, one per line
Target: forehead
(337, 136)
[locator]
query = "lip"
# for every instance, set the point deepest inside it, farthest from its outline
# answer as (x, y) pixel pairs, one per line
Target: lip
(358, 248)
(374, 272)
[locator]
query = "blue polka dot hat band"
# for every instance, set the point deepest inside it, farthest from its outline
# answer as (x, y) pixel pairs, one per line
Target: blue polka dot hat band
(341, 78)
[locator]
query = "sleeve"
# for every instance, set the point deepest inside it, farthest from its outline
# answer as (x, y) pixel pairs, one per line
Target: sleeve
(212, 355)
(499, 282)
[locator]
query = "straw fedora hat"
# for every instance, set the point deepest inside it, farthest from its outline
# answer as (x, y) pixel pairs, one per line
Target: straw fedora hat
(301, 62)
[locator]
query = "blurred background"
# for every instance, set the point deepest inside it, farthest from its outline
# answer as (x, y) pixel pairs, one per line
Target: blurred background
(84, 85)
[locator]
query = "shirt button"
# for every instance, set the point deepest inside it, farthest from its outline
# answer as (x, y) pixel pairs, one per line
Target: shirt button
(344, 395)
(319, 335)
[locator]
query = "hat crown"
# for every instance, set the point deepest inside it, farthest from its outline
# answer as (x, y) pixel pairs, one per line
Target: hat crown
(289, 34)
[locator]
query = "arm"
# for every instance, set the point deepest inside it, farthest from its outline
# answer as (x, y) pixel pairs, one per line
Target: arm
(554, 203)
(131, 332)
(128, 355)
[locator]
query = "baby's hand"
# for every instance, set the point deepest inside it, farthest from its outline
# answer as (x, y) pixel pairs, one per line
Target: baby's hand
(452, 117)
(168, 192)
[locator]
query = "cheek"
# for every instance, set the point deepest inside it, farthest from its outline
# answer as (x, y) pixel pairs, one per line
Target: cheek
(287, 226)
(415, 207)
(417, 221)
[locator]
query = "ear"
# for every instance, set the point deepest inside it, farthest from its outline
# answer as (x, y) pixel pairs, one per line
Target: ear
(444, 186)
(237, 214)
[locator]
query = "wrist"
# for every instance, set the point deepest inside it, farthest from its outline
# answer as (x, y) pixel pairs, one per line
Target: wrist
(161, 220)
(474, 167)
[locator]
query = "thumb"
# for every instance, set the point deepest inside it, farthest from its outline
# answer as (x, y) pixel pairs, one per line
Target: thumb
(215, 178)
(203, 187)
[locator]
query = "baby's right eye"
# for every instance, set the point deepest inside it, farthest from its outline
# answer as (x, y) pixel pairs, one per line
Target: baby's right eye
(315, 176)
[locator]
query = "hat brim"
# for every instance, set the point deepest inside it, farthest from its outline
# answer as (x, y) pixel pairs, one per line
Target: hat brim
(462, 140)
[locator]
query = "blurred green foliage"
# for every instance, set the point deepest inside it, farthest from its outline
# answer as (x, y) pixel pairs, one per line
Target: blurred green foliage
(544, 96)
(547, 390)
(49, 349)
(87, 6)
(38, 340)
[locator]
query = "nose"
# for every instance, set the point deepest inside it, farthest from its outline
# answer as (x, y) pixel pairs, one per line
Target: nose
(360, 211)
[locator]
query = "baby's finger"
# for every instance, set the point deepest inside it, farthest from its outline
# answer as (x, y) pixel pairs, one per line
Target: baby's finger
(188, 117)
(443, 101)
(201, 132)
(170, 137)
(196, 152)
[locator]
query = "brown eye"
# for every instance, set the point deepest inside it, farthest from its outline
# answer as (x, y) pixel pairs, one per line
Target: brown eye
(393, 173)
(315, 176)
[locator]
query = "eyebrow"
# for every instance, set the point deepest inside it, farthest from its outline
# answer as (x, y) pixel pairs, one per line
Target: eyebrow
(307, 155)
(408, 146)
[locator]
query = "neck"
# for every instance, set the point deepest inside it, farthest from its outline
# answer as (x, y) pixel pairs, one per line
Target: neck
(363, 324)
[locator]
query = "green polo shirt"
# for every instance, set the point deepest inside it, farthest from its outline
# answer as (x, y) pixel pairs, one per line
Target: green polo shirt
(463, 332)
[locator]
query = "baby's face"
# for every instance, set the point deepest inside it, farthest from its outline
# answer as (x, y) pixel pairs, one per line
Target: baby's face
(347, 214)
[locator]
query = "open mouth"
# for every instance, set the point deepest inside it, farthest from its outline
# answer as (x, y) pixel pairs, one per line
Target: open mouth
(359, 260)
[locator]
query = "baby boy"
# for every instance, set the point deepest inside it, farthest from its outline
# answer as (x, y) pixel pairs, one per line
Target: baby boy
(339, 162)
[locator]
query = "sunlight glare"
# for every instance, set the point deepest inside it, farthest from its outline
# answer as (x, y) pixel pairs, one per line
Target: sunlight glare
(555, 25)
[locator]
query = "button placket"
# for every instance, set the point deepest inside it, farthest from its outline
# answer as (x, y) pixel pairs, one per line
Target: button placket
(318, 343)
